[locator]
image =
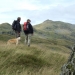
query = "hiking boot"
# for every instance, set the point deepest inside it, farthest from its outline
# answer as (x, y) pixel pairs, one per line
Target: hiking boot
(28, 45)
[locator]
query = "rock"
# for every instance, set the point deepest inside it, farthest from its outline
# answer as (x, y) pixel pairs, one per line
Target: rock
(69, 67)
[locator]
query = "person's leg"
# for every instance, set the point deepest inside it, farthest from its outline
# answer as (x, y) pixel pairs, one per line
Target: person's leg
(29, 39)
(17, 34)
(26, 38)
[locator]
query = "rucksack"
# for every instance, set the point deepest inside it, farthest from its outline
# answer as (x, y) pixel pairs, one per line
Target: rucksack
(25, 26)
(14, 25)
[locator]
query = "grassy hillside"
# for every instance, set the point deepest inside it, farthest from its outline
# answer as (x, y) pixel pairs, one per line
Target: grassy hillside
(5, 27)
(55, 30)
(44, 57)
(50, 49)
(52, 25)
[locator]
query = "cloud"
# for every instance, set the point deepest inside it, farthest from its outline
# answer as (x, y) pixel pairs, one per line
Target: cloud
(37, 10)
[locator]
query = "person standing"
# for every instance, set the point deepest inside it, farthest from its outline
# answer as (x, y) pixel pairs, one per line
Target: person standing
(16, 26)
(28, 31)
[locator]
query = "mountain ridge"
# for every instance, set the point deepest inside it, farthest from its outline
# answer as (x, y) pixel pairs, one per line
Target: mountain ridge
(55, 30)
(48, 29)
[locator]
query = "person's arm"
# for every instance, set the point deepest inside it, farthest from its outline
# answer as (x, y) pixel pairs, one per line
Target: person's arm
(31, 28)
(20, 27)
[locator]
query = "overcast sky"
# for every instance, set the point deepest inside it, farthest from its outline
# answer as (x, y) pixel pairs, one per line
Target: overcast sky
(37, 10)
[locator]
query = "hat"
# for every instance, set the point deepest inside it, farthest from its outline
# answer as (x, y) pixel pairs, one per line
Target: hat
(28, 20)
(18, 18)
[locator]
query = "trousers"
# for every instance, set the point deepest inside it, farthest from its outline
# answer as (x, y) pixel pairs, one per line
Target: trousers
(28, 39)
(17, 34)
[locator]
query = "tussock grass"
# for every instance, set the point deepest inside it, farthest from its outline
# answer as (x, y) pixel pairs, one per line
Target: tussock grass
(22, 60)
(44, 57)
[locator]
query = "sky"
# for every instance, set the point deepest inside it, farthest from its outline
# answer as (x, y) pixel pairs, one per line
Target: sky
(37, 10)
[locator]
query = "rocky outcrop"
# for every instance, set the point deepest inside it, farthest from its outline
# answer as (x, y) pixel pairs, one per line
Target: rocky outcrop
(69, 67)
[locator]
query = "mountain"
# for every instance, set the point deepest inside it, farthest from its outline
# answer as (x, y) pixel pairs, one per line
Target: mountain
(5, 27)
(52, 25)
(55, 30)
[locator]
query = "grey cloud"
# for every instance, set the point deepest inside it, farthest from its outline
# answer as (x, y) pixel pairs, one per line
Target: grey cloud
(58, 13)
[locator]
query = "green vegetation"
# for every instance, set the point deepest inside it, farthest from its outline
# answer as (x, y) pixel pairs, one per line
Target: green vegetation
(55, 30)
(49, 50)
(43, 57)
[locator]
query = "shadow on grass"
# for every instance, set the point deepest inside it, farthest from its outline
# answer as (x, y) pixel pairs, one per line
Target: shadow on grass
(30, 61)
(20, 62)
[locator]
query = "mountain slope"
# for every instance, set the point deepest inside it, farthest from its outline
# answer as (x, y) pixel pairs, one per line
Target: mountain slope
(55, 30)
(5, 27)
(52, 25)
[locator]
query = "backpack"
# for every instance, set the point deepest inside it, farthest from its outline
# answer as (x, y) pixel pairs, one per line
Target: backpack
(25, 26)
(14, 25)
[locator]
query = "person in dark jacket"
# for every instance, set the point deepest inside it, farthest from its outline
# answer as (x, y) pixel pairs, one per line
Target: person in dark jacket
(16, 26)
(28, 30)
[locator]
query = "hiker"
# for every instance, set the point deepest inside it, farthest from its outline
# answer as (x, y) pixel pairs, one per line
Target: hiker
(16, 26)
(28, 30)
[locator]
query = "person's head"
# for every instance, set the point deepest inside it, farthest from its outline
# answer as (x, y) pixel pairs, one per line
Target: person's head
(19, 19)
(28, 20)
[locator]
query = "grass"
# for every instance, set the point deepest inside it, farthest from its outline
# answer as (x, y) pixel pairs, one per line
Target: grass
(44, 57)
(22, 60)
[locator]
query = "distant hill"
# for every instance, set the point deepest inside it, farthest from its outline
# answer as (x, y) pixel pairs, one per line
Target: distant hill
(55, 30)
(5, 28)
